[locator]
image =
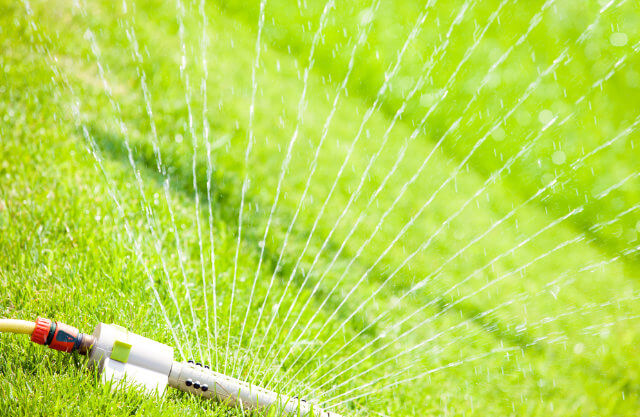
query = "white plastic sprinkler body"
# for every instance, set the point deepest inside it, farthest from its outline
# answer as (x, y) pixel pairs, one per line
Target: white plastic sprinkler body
(125, 357)
(120, 355)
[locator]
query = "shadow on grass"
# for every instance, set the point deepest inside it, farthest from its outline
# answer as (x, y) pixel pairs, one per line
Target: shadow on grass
(226, 195)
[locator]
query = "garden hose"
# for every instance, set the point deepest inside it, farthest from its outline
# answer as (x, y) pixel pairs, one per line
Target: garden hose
(16, 326)
(123, 357)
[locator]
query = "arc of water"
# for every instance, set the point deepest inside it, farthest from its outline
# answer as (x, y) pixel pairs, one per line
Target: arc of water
(579, 100)
(538, 324)
(451, 305)
(333, 373)
(245, 182)
(526, 295)
(329, 5)
(578, 310)
(152, 224)
(618, 185)
(92, 148)
(204, 42)
(550, 339)
(613, 221)
(325, 130)
(184, 75)
(422, 375)
(589, 329)
(389, 75)
(412, 220)
(133, 43)
(426, 70)
(578, 162)
(402, 152)
(522, 243)
(469, 276)
(617, 65)
(466, 279)
(131, 35)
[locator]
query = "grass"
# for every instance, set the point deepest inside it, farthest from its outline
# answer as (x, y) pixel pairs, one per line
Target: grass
(540, 310)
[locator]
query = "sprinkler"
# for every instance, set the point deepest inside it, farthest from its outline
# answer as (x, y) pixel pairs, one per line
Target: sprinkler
(122, 357)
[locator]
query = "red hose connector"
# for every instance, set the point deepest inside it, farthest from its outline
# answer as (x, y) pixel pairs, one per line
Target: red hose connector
(41, 332)
(60, 336)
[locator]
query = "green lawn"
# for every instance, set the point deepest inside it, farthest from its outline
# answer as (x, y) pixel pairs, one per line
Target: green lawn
(498, 277)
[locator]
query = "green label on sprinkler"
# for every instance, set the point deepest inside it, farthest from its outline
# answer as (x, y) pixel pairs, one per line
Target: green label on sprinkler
(120, 351)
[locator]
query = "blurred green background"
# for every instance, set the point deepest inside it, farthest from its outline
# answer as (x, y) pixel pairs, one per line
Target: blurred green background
(481, 242)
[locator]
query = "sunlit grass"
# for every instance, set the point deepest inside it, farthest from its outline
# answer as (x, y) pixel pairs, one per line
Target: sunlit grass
(565, 255)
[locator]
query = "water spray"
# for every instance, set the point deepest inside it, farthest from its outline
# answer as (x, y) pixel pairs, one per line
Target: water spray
(125, 358)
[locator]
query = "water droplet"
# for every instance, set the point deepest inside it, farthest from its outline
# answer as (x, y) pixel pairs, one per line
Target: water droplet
(547, 178)
(618, 39)
(498, 134)
(366, 16)
(638, 226)
(558, 157)
(179, 138)
(545, 116)
(578, 348)
(428, 99)
(494, 80)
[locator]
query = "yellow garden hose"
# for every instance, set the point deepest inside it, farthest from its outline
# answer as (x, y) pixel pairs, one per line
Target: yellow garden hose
(16, 326)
